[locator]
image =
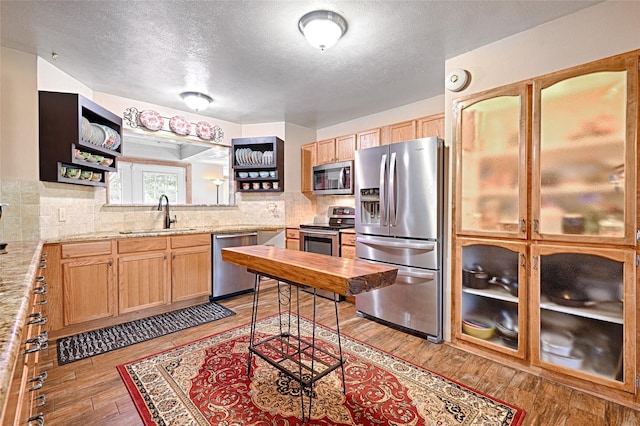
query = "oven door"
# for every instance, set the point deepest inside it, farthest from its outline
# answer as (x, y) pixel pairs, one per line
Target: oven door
(320, 241)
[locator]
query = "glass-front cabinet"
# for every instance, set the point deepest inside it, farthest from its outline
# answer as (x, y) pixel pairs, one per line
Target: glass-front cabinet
(492, 151)
(546, 199)
(492, 309)
(583, 148)
(585, 312)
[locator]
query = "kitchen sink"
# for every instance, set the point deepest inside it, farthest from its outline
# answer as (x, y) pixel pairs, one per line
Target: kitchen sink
(155, 231)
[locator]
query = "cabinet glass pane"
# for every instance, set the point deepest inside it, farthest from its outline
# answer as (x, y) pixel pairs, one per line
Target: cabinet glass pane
(581, 313)
(490, 164)
(582, 141)
(490, 294)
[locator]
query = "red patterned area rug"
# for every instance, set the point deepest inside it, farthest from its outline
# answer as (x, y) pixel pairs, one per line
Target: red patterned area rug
(206, 383)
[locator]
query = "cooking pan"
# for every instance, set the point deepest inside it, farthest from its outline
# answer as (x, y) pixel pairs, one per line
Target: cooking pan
(577, 299)
(510, 285)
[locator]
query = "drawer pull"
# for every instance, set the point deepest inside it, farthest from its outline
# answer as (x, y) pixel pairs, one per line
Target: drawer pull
(39, 381)
(38, 419)
(43, 265)
(37, 319)
(42, 302)
(40, 278)
(37, 345)
(40, 290)
(41, 400)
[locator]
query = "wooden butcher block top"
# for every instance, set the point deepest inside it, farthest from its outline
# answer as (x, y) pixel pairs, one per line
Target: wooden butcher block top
(340, 275)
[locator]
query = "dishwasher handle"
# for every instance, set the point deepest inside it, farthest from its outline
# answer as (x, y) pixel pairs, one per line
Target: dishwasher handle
(225, 236)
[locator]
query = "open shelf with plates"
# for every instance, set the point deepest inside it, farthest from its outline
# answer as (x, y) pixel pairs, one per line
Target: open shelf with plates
(258, 164)
(79, 140)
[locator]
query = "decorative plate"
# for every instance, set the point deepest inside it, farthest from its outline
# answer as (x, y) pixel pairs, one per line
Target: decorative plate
(112, 141)
(98, 134)
(204, 130)
(151, 120)
(179, 125)
(86, 130)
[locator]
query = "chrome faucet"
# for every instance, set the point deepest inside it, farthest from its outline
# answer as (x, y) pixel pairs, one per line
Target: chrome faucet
(167, 218)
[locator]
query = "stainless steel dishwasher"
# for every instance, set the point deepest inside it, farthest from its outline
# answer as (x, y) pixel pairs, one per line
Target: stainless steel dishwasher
(229, 279)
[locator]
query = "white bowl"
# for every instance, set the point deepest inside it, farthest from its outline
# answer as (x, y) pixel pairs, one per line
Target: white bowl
(573, 360)
(243, 175)
(253, 174)
(556, 342)
(263, 174)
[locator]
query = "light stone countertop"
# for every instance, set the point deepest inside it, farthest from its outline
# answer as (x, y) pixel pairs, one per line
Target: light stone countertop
(18, 268)
(17, 271)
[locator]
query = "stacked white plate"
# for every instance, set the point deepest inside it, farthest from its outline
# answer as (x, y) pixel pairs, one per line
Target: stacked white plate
(249, 157)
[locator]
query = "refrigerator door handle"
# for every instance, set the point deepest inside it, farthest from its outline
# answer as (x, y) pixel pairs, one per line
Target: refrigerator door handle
(393, 205)
(426, 275)
(415, 246)
(383, 191)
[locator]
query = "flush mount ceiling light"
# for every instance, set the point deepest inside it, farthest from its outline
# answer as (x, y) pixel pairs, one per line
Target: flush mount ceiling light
(322, 28)
(196, 100)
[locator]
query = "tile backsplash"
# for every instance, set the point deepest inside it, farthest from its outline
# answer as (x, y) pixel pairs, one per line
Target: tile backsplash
(42, 210)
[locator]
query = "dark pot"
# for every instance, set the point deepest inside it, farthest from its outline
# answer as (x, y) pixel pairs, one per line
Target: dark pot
(475, 279)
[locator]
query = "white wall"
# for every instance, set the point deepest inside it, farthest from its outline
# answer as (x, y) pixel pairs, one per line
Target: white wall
(19, 133)
(52, 79)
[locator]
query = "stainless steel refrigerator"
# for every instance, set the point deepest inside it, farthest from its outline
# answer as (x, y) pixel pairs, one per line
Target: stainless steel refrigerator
(400, 220)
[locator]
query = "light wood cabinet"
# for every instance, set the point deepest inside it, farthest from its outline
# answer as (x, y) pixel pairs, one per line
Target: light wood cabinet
(326, 151)
(293, 238)
(190, 266)
(566, 142)
(500, 295)
(399, 132)
(345, 147)
(348, 245)
(143, 272)
(307, 161)
(87, 279)
(492, 175)
(432, 125)
(598, 326)
(336, 150)
(94, 284)
(88, 290)
(368, 139)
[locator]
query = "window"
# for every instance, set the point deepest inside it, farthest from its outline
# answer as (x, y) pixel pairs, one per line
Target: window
(145, 181)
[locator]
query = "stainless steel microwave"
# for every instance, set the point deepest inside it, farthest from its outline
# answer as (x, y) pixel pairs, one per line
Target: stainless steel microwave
(332, 179)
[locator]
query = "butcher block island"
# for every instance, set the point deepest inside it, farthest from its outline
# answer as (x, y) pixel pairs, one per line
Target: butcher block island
(294, 354)
(343, 276)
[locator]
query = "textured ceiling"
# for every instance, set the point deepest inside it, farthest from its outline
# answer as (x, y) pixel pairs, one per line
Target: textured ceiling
(251, 58)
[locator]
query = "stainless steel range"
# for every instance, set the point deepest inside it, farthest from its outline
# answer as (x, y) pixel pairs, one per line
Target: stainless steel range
(324, 236)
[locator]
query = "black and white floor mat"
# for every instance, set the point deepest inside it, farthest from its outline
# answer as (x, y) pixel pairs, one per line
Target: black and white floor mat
(96, 342)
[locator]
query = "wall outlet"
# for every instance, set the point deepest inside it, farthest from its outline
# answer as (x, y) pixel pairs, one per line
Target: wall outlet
(62, 214)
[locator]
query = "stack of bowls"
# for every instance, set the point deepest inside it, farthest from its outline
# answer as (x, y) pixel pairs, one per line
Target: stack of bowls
(479, 328)
(557, 347)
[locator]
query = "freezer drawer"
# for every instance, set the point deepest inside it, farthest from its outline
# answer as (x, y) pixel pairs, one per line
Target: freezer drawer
(399, 251)
(229, 279)
(413, 302)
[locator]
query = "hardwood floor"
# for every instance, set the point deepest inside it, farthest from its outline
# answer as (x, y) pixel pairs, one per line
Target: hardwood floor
(91, 392)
